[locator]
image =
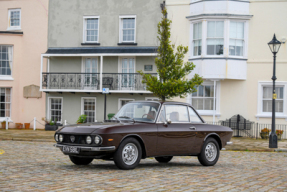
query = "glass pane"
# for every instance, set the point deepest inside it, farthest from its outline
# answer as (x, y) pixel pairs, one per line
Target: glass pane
(211, 29)
(208, 104)
(177, 113)
(197, 103)
(267, 105)
(232, 31)
(279, 106)
(162, 118)
(219, 29)
(240, 30)
(193, 117)
(267, 92)
(200, 91)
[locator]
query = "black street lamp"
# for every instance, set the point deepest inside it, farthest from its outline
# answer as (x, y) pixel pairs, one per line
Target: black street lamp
(274, 45)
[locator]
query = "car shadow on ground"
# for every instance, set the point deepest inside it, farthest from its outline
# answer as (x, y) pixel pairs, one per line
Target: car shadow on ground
(146, 165)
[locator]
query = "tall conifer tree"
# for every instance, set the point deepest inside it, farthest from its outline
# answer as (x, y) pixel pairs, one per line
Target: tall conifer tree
(171, 69)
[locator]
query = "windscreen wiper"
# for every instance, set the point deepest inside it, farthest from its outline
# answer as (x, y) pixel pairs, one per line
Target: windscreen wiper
(126, 117)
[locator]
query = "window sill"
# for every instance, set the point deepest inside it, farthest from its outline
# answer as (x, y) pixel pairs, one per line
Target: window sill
(12, 32)
(269, 115)
(5, 118)
(90, 44)
(208, 113)
(14, 29)
(127, 43)
(8, 78)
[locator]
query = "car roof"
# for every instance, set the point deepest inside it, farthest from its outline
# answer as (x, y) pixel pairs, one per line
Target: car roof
(162, 102)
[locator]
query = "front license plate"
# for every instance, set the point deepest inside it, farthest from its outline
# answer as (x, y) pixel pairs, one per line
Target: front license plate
(70, 149)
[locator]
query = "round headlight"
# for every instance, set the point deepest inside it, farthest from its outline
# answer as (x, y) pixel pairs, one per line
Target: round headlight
(57, 137)
(61, 138)
(89, 139)
(98, 139)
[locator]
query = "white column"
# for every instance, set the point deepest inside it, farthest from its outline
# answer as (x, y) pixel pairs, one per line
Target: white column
(101, 73)
(7, 119)
(34, 123)
(214, 96)
(41, 71)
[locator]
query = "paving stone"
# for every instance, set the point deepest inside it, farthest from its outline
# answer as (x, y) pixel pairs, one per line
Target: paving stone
(38, 166)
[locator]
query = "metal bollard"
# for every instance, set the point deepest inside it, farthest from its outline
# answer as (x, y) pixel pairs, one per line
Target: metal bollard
(34, 123)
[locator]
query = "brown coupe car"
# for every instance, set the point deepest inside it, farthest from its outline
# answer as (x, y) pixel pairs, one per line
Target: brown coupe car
(145, 129)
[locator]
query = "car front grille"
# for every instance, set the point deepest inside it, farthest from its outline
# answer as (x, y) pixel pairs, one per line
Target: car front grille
(79, 139)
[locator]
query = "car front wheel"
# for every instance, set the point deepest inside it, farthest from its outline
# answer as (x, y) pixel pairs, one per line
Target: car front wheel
(164, 159)
(128, 155)
(80, 161)
(209, 153)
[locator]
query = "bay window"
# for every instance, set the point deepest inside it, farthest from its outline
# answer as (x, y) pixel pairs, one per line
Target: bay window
(197, 30)
(215, 37)
(236, 38)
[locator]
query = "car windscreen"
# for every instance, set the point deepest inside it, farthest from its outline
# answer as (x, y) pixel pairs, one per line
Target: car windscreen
(141, 111)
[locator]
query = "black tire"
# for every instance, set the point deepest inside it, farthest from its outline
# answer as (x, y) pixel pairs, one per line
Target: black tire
(164, 159)
(80, 161)
(127, 149)
(207, 151)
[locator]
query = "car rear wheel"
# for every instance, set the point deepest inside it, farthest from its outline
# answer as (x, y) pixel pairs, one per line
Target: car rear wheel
(209, 153)
(128, 155)
(80, 161)
(164, 159)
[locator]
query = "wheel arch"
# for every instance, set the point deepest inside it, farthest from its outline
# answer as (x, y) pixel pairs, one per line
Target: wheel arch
(216, 137)
(140, 140)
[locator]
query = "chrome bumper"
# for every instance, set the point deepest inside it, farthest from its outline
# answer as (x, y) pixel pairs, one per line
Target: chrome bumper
(229, 143)
(110, 148)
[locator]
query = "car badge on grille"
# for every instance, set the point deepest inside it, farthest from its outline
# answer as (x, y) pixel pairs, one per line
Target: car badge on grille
(72, 138)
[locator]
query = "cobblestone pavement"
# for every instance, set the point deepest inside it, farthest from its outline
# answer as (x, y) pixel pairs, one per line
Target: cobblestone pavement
(37, 166)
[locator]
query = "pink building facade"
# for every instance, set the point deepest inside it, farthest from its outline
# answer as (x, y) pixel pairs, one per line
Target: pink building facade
(23, 37)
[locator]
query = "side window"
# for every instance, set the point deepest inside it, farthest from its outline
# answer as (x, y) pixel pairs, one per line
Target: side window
(193, 116)
(176, 113)
(161, 118)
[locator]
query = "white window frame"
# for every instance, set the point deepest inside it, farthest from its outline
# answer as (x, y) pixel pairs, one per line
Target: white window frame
(152, 98)
(123, 99)
(226, 39)
(8, 77)
(121, 28)
(49, 108)
(196, 39)
(217, 100)
(10, 28)
(82, 105)
(9, 118)
(260, 112)
(224, 34)
(85, 28)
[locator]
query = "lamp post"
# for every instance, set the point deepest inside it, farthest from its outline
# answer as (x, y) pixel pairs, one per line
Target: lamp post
(274, 46)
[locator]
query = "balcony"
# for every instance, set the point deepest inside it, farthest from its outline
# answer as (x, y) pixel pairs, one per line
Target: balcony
(94, 82)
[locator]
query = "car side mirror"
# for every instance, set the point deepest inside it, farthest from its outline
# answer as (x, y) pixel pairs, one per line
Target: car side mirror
(168, 121)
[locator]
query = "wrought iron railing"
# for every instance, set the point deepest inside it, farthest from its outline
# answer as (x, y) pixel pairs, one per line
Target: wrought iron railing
(253, 130)
(92, 81)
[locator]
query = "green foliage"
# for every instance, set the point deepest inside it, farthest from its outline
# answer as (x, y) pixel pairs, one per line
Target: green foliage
(82, 118)
(51, 122)
(171, 68)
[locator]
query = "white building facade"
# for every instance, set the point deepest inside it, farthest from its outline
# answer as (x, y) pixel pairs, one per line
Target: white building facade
(227, 42)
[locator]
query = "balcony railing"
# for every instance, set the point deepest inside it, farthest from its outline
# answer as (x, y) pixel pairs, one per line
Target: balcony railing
(93, 81)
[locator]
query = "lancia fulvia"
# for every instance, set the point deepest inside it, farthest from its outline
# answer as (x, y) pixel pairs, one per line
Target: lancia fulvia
(144, 129)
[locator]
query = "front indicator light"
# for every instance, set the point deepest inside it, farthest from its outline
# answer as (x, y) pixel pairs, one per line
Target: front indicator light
(89, 139)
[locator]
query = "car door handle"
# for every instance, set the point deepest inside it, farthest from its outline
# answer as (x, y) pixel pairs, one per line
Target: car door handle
(193, 128)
